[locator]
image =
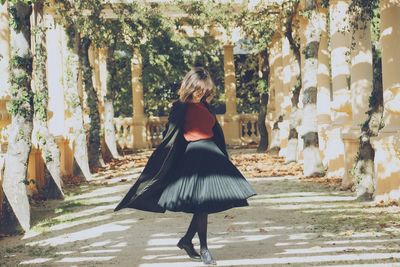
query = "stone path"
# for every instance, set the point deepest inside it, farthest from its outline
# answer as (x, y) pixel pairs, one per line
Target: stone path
(289, 223)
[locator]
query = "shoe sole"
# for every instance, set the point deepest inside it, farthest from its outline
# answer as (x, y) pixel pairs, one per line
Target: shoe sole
(193, 259)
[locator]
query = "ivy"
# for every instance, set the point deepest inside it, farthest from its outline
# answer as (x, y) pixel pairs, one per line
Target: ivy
(21, 96)
(41, 94)
(21, 101)
(40, 100)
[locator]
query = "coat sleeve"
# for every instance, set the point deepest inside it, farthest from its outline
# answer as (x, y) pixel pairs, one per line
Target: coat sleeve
(174, 118)
(219, 138)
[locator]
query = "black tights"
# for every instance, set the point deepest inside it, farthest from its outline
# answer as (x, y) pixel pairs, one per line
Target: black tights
(199, 225)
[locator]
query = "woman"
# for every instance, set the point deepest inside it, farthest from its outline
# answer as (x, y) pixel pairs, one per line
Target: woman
(190, 170)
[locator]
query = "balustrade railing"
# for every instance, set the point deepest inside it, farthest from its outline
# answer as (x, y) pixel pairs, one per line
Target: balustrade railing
(248, 125)
(156, 125)
(124, 132)
(155, 128)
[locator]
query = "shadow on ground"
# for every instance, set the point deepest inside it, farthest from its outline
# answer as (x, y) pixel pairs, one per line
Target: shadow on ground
(288, 223)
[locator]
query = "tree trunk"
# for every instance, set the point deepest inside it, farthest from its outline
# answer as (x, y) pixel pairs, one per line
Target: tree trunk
(74, 106)
(109, 130)
(94, 146)
(276, 141)
(41, 135)
(291, 155)
(21, 110)
(312, 160)
(262, 128)
(263, 75)
(363, 169)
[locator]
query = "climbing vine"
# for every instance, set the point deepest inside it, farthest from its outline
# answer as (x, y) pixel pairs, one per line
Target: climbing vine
(40, 98)
(21, 102)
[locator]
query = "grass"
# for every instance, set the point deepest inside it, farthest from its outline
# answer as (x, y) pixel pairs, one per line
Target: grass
(351, 221)
(32, 251)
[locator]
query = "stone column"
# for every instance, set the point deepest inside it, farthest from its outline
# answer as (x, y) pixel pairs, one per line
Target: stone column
(139, 118)
(387, 144)
(231, 118)
(361, 89)
(109, 142)
(4, 86)
(276, 70)
(303, 42)
(4, 51)
(323, 94)
(5, 118)
(56, 108)
(341, 103)
(56, 122)
(286, 104)
(271, 108)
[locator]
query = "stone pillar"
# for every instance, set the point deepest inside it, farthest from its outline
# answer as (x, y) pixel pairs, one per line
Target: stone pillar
(100, 74)
(323, 94)
(361, 89)
(4, 86)
(109, 145)
(276, 70)
(4, 51)
(341, 103)
(271, 108)
(139, 119)
(56, 109)
(231, 118)
(303, 41)
(35, 171)
(286, 104)
(56, 122)
(387, 144)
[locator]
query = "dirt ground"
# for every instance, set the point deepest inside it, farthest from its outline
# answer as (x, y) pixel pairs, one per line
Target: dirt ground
(289, 223)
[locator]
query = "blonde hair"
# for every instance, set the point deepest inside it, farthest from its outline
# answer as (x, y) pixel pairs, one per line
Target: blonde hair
(197, 79)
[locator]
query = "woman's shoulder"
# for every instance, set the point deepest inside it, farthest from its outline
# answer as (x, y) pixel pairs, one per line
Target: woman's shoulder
(177, 105)
(178, 108)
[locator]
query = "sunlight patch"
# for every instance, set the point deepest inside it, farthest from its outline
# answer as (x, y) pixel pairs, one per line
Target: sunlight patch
(281, 261)
(36, 261)
(82, 235)
(86, 259)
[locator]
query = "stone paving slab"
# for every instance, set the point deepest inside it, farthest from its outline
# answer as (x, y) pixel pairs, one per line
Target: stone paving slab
(289, 223)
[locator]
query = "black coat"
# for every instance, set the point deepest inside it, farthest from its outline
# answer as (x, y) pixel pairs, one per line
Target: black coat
(145, 193)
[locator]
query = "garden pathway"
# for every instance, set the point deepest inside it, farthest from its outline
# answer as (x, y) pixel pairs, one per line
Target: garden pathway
(289, 223)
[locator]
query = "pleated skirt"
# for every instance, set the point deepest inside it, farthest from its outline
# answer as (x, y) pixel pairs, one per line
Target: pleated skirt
(204, 180)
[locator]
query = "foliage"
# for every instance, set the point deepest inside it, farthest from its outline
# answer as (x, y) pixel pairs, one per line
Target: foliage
(362, 11)
(166, 55)
(41, 95)
(248, 86)
(259, 26)
(210, 15)
(21, 102)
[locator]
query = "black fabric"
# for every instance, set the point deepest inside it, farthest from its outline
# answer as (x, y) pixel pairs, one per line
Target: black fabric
(205, 181)
(168, 157)
(192, 229)
(142, 195)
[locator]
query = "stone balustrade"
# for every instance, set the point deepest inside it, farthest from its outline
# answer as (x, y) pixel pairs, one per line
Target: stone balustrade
(154, 128)
(248, 125)
(124, 132)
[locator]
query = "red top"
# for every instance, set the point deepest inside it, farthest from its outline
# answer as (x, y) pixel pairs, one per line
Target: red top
(198, 122)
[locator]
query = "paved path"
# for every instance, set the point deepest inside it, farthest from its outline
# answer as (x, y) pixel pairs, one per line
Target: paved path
(289, 223)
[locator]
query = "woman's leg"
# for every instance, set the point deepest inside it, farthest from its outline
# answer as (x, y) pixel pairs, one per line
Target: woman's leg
(202, 232)
(186, 241)
(202, 221)
(192, 229)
